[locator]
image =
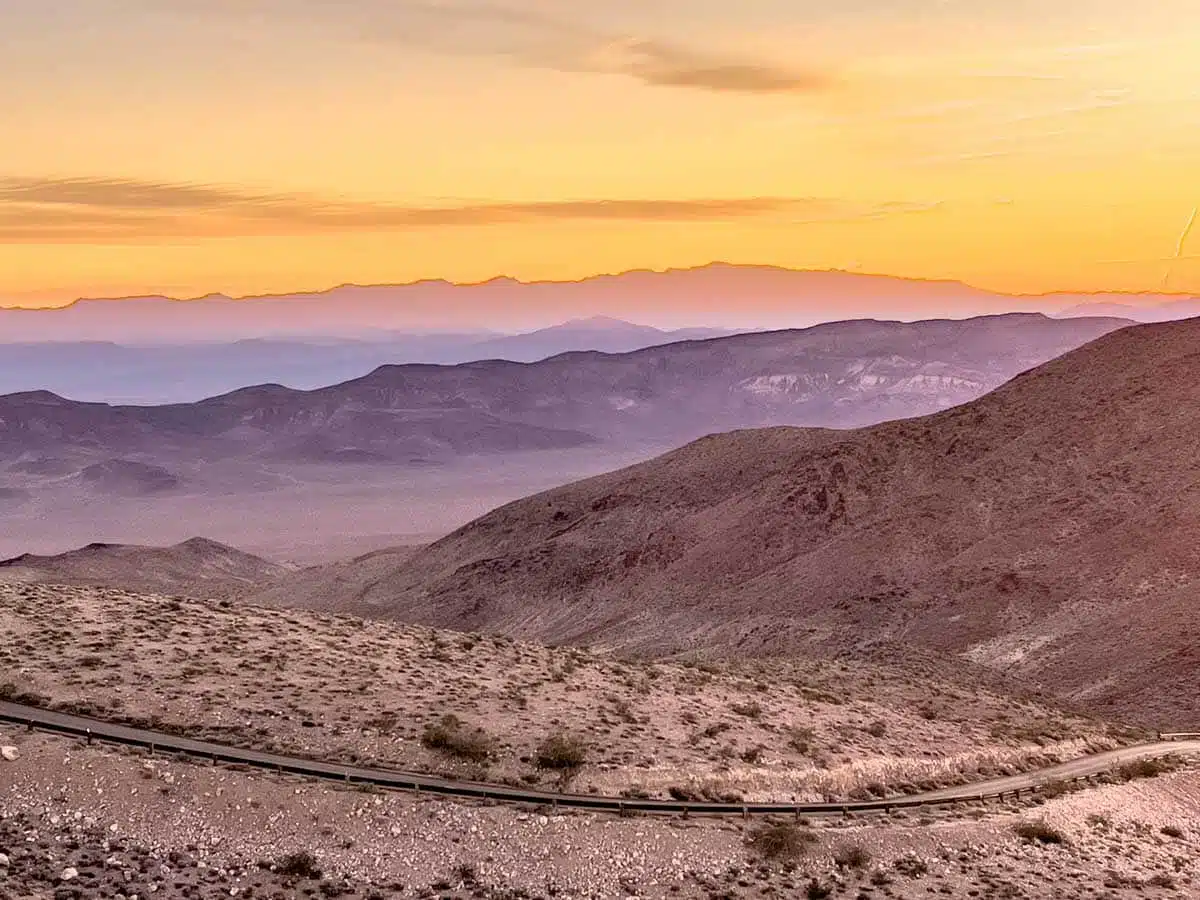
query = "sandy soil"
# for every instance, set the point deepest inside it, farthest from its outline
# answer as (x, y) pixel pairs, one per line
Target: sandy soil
(368, 691)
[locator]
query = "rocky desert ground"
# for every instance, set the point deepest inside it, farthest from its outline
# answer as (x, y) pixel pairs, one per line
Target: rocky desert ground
(83, 822)
(86, 821)
(486, 707)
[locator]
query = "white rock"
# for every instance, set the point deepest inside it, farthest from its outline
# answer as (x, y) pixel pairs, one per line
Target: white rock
(4, 861)
(11, 754)
(69, 873)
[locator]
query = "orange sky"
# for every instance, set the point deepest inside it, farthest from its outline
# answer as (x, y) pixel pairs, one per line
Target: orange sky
(264, 146)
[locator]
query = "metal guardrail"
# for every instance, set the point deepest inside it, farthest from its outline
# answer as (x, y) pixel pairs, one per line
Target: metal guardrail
(93, 730)
(1180, 736)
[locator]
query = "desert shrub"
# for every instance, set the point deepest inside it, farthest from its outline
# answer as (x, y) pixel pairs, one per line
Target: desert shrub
(449, 735)
(817, 891)
(780, 841)
(801, 739)
(1039, 832)
(752, 755)
(1052, 789)
(561, 751)
(1145, 768)
(298, 865)
(1172, 831)
(852, 856)
(911, 866)
(877, 729)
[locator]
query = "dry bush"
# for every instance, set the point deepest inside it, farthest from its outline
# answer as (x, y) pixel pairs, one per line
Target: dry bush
(450, 736)
(298, 865)
(1039, 832)
(853, 856)
(780, 841)
(561, 751)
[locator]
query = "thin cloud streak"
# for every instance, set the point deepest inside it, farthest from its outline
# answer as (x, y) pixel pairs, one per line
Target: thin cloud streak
(534, 38)
(69, 210)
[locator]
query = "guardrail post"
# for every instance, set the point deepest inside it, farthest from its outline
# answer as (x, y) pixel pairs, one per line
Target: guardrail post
(29, 724)
(745, 812)
(89, 736)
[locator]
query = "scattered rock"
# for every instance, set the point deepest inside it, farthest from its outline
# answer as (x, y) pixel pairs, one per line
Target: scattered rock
(11, 754)
(69, 874)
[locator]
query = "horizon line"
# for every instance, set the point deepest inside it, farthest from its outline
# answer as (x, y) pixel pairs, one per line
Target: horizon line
(601, 276)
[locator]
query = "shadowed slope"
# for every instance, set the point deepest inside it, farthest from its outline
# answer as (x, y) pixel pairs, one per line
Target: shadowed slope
(1050, 529)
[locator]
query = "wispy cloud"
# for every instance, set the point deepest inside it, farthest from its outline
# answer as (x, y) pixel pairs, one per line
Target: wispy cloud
(529, 34)
(658, 63)
(50, 210)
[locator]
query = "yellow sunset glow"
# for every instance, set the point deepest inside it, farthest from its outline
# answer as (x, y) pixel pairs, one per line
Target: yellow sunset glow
(262, 147)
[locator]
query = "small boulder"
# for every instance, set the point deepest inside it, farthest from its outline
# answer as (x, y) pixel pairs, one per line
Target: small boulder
(10, 754)
(69, 874)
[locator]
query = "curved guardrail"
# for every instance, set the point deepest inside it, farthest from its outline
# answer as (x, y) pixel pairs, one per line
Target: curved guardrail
(34, 718)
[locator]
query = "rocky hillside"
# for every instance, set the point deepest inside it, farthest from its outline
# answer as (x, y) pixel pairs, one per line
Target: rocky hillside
(1050, 530)
(195, 568)
(841, 374)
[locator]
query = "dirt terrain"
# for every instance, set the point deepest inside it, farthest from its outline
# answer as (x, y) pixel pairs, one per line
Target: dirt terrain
(1050, 531)
(380, 693)
(79, 822)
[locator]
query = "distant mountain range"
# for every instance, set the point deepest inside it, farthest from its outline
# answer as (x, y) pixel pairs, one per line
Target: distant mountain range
(719, 295)
(1049, 530)
(107, 372)
(839, 374)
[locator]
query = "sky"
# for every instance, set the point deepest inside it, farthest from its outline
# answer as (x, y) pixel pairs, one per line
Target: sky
(183, 147)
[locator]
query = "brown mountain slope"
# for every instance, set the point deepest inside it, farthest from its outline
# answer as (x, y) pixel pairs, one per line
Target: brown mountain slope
(194, 568)
(1050, 529)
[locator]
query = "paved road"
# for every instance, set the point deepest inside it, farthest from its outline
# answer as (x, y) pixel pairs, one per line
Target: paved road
(80, 726)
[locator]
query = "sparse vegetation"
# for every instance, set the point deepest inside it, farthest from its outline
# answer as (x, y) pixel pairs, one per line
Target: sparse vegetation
(911, 866)
(1039, 832)
(561, 751)
(780, 841)
(852, 856)
(449, 735)
(298, 865)
(1146, 768)
(379, 693)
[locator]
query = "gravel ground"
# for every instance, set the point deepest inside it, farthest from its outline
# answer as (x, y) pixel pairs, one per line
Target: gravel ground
(132, 825)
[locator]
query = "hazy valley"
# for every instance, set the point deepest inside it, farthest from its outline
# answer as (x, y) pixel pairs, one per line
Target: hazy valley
(446, 443)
